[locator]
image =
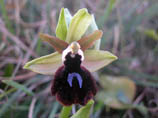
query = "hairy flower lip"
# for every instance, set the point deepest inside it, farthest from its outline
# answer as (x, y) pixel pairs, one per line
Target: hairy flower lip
(68, 95)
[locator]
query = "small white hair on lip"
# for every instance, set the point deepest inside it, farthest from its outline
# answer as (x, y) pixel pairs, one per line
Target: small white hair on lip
(70, 49)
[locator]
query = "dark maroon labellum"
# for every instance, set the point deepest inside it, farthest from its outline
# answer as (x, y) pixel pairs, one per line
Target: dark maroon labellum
(72, 83)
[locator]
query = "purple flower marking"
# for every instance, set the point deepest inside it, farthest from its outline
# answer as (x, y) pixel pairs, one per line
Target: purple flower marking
(71, 77)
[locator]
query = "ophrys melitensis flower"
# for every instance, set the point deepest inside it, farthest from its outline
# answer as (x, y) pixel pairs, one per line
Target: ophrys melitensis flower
(77, 56)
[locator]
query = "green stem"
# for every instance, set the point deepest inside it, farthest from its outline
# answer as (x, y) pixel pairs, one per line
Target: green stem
(7, 92)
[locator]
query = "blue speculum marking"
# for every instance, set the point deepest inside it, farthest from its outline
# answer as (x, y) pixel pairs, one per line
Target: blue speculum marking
(71, 77)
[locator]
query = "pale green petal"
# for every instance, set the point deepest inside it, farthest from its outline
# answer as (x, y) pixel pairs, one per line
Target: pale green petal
(46, 65)
(118, 92)
(78, 26)
(61, 29)
(96, 59)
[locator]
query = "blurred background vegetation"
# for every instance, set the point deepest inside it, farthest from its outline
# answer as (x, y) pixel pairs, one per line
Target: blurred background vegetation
(130, 31)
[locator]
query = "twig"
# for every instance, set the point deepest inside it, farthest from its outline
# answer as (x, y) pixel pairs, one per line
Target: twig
(18, 64)
(10, 60)
(19, 43)
(20, 77)
(116, 39)
(32, 46)
(28, 54)
(139, 98)
(154, 110)
(91, 5)
(30, 115)
(32, 25)
(34, 86)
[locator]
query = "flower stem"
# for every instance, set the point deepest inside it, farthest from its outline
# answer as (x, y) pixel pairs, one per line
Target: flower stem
(73, 109)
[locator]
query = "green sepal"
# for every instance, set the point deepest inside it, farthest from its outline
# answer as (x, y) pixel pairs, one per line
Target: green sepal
(78, 26)
(97, 59)
(61, 29)
(68, 17)
(46, 65)
(93, 27)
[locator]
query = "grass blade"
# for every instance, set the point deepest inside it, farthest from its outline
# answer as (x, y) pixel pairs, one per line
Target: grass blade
(18, 86)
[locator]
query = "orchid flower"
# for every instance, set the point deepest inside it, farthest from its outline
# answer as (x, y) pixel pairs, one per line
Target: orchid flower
(77, 54)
